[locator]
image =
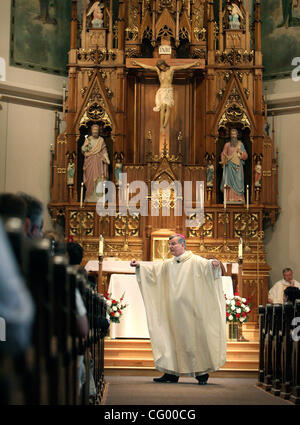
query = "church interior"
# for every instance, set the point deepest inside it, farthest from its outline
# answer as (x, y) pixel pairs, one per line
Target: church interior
(117, 105)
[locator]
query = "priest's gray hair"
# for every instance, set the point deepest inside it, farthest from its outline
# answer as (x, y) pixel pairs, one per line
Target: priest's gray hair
(287, 269)
(180, 239)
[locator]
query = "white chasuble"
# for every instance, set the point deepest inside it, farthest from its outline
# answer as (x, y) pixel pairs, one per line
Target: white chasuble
(186, 314)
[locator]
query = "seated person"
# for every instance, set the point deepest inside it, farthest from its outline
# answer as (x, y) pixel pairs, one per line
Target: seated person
(75, 252)
(276, 292)
(12, 206)
(291, 293)
(34, 216)
(57, 242)
(25, 207)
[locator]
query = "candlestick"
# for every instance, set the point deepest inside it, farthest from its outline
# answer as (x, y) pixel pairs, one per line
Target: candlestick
(225, 198)
(101, 245)
(247, 197)
(81, 195)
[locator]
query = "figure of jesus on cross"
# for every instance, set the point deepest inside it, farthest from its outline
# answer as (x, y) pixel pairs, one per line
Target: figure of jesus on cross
(164, 99)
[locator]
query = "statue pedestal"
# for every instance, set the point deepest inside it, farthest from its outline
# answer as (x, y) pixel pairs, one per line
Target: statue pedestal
(96, 37)
(235, 39)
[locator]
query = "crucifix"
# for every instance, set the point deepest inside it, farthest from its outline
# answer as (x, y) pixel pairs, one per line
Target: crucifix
(164, 99)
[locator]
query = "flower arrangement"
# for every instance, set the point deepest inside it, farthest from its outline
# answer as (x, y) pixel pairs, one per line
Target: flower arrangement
(237, 309)
(114, 307)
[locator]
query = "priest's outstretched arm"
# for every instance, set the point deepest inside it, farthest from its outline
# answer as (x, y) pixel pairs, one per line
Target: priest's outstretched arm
(134, 263)
(216, 268)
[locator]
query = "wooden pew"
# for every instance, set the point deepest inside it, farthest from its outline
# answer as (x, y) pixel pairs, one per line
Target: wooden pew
(39, 283)
(84, 342)
(14, 371)
(261, 369)
(58, 375)
(276, 349)
(286, 352)
(295, 395)
(267, 384)
(73, 372)
(47, 372)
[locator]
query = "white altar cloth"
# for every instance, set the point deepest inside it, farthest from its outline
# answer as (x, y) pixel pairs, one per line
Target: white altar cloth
(110, 265)
(133, 323)
(227, 286)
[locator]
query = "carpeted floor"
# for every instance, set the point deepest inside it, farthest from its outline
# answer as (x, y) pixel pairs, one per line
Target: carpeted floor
(138, 390)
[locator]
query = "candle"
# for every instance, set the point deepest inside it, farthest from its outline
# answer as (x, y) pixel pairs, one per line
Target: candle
(240, 250)
(127, 195)
(81, 195)
(101, 245)
(247, 197)
(225, 200)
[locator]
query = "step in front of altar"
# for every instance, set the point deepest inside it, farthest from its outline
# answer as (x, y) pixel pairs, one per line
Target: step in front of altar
(134, 356)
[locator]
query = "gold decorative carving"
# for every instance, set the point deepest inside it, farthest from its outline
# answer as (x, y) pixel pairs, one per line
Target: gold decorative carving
(234, 56)
(200, 34)
(234, 110)
(207, 227)
(240, 224)
(61, 140)
(132, 33)
(132, 52)
(133, 225)
(96, 55)
(96, 109)
(83, 91)
(87, 222)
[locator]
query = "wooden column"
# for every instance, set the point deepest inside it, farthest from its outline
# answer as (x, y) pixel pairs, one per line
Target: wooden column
(73, 39)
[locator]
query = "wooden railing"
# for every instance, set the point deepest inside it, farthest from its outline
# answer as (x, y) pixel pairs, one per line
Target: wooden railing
(47, 372)
(279, 360)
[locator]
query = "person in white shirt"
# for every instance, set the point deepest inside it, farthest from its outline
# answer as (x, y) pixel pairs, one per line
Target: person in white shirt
(277, 290)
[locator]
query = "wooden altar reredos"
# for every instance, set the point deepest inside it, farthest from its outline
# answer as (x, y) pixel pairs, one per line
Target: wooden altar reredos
(223, 92)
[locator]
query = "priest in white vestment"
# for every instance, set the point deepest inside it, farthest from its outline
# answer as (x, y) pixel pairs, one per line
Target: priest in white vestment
(186, 313)
(277, 290)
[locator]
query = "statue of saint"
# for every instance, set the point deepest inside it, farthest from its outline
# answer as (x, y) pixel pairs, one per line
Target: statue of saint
(233, 159)
(164, 99)
(118, 167)
(95, 167)
(97, 11)
(210, 174)
(71, 172)
(257, 175)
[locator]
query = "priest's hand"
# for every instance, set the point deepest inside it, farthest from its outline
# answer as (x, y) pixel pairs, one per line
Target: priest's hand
(134, 263)
(215, 263)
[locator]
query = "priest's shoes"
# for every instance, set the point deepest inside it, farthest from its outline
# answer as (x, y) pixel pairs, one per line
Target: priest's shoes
(202, 379)
(167, 378)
